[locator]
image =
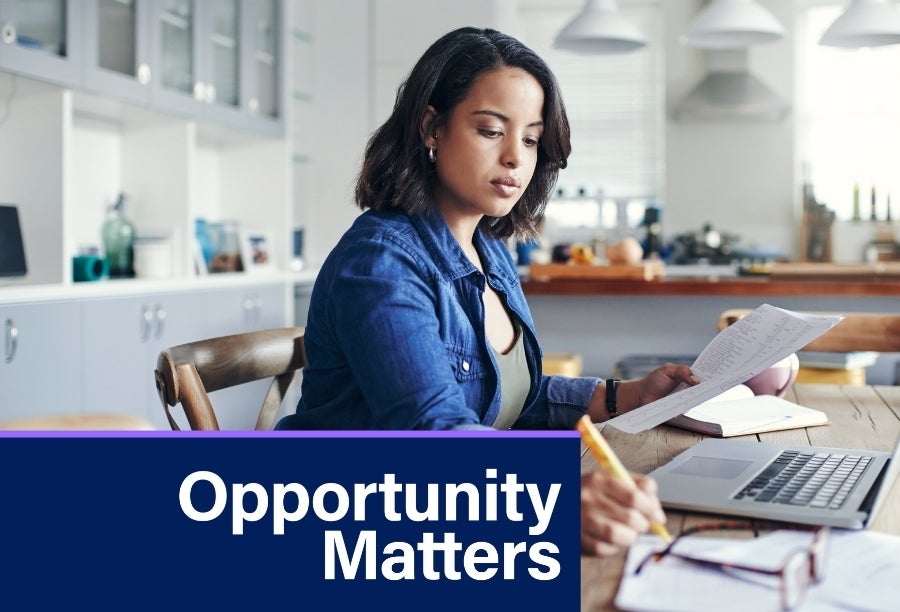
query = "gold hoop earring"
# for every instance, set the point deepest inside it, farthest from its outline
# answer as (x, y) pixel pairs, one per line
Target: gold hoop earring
(432, 154)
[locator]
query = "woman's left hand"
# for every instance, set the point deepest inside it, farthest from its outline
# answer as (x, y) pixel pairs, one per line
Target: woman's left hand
(633, 393)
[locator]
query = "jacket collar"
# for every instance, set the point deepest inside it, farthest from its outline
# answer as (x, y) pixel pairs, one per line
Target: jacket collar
(449, 256)
(442, 245)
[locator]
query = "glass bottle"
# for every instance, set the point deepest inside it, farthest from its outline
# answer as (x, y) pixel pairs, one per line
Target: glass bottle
(118, 240)
(872, 214)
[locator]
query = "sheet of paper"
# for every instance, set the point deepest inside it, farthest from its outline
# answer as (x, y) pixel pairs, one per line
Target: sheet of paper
(861, 574)
(740, 351)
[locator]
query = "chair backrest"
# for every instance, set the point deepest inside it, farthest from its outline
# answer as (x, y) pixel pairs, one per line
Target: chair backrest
(857, 331)
(186, 373)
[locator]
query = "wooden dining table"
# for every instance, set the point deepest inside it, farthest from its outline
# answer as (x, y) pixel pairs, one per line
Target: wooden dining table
(865, 417)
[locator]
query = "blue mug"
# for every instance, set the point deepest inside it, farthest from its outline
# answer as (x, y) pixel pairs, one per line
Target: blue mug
(89, 268)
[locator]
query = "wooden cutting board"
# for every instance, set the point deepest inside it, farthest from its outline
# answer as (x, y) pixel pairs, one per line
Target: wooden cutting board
(814, 270)
(645, 271)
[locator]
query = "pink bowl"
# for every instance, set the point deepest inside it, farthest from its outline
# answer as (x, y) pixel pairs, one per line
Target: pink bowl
(776, 379)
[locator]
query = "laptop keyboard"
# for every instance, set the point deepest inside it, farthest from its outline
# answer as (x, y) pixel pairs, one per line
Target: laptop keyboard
(816, 480)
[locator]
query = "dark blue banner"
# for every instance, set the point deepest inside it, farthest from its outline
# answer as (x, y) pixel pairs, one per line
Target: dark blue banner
(307, 522)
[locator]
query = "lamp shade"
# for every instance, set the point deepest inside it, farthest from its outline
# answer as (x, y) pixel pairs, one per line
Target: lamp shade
(865, 23)
(599, 28)
(732, 24)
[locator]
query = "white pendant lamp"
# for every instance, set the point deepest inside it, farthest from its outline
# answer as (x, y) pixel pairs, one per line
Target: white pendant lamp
(865, 23)
(599, 28)
(732, 24)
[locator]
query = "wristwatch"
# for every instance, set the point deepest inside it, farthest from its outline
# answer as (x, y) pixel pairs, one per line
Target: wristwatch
(612, 386)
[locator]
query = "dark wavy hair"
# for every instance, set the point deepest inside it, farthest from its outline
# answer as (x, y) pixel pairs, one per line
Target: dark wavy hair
(396, 171)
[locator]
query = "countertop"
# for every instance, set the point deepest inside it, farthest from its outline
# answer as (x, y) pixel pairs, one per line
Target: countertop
(15, 293)
(714, 280)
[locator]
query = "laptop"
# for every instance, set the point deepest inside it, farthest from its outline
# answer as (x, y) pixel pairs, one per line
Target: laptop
(12, 251)
(799, 484)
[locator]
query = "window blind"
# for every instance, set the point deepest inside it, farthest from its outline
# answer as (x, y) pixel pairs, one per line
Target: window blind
(615, 103)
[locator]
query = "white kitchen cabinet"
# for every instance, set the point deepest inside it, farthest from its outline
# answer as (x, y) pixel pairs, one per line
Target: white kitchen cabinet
(265, 307)
(67, 148)
(236, 311)
(122, 339)
(117, 42)
(220, 61)
(40, 38)
(124, 336)
(302, 297)
(40, 364)
(248, 308)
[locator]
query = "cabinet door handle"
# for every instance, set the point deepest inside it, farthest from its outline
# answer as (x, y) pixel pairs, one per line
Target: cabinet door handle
(160, 321)
(12, 340)
(248, 310)
(210, 93)
(8, 33)
(257, 309)
(146, 323)
(199, 91)
(252, 305)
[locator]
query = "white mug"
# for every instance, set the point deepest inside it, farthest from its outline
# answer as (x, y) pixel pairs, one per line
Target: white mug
(152, 258)
(777, 378)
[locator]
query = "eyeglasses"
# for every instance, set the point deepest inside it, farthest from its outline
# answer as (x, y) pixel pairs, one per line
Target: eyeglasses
(799, 568)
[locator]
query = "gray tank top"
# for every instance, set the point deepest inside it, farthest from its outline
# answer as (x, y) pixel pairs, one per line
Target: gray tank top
(515, 382)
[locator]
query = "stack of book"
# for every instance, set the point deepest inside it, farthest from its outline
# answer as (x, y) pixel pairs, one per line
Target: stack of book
(835, 368)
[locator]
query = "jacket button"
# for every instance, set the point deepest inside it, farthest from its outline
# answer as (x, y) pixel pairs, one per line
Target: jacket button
(465, 365)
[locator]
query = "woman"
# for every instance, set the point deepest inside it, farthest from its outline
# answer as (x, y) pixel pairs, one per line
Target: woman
(417, 319)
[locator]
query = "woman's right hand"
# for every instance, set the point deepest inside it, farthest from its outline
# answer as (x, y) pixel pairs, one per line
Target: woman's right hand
(613, 513)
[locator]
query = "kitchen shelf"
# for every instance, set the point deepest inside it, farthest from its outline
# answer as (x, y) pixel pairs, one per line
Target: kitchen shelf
(75, 139)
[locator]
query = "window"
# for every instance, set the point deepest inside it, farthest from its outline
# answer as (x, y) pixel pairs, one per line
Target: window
(616, 108)
(848, 116)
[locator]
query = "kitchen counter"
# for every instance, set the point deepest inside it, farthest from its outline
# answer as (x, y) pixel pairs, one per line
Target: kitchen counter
(715, 281)
(743, 286)
(605, 320)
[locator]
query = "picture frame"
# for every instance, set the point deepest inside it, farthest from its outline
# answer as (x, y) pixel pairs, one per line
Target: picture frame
(257, 251)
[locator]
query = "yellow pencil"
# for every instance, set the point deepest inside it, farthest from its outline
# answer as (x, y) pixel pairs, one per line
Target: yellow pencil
(608, 461)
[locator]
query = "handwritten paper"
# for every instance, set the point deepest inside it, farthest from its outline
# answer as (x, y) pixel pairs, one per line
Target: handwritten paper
(758, 340)
(862, 570)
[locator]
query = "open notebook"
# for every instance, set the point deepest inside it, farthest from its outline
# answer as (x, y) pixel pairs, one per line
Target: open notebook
(738, 412)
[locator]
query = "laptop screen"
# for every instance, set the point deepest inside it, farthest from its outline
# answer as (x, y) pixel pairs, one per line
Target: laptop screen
(12, 251)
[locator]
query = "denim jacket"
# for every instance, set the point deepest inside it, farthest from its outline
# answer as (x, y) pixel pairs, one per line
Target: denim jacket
(395, 335)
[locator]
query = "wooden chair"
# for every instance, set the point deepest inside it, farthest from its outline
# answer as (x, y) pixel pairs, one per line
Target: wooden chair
(857, 331)
(186, 373)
